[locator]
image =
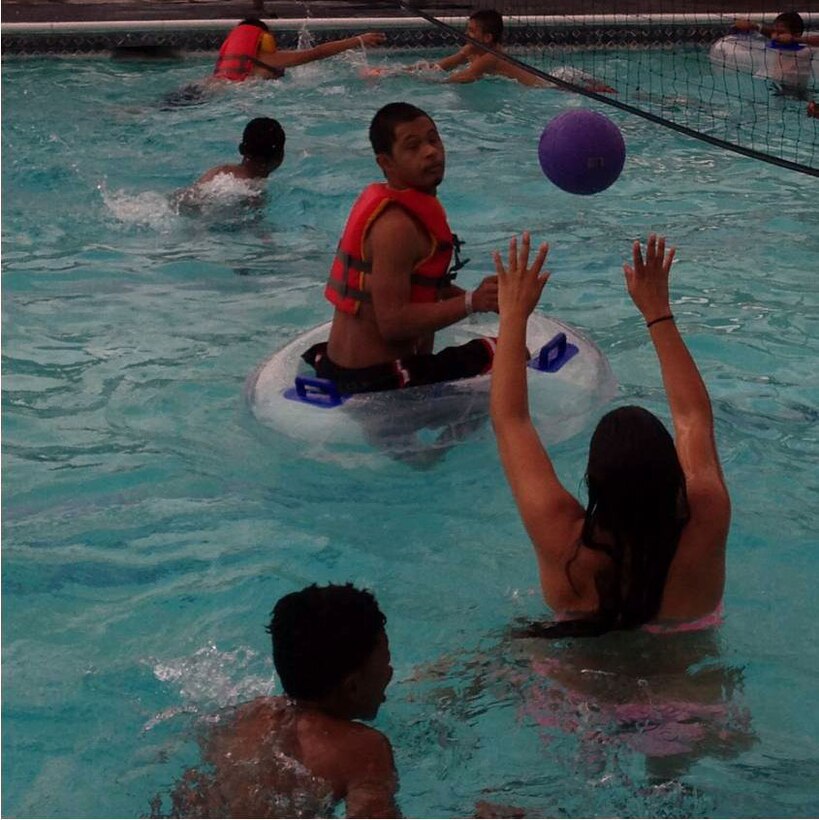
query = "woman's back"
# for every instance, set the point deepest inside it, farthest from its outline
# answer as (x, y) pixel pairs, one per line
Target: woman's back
(651, 544)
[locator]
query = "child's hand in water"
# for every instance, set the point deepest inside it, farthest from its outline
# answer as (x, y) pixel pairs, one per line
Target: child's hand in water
(373, 73)
(519, 285)
(372, 38)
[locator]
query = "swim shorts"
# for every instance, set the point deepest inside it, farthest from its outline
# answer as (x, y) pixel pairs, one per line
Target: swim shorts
(460, 362)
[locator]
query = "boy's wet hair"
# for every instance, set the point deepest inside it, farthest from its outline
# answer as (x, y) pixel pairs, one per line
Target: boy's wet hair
(385, 121)
(490, 22)
(792, 21)
(322, 634)
(263, 139)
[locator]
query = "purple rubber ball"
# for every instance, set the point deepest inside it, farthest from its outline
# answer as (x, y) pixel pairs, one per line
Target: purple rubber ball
(582, 152)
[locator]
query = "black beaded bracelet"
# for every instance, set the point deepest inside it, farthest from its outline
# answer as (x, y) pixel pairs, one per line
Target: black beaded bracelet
(666, 318)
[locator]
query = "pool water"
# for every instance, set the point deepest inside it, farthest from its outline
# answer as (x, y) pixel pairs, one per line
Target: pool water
(150, 522)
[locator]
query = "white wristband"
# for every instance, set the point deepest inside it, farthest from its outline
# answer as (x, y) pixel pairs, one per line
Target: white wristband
(468, 302)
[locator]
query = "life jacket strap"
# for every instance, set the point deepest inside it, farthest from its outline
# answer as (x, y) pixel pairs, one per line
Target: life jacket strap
(350, 262)
(457, 244)
(347, 292)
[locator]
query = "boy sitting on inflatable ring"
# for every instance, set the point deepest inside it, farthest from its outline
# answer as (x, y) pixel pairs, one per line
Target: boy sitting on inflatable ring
(786, 30)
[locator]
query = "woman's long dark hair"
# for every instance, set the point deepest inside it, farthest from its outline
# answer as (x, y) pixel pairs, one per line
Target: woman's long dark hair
(637, 498)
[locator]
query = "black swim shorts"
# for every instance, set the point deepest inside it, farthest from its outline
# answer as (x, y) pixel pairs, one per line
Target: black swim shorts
(461, 362)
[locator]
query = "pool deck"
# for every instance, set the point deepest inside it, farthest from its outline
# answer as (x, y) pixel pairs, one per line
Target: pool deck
(68, 11)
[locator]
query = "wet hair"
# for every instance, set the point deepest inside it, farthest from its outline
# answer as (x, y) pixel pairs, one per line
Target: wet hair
(263, 139)
(792, 21)
(255, 21)
(490, 22)
(637, 495)
(385, 121)
(322, 634)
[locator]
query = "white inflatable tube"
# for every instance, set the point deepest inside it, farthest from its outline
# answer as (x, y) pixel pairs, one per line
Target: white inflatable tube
(404, 422)
(753, 54)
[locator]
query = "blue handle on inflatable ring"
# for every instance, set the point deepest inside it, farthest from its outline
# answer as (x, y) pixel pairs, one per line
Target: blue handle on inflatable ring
(554, 354)
(318, 392)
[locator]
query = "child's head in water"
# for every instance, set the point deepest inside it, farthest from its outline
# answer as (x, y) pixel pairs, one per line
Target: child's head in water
(330, 649)
(263, 143)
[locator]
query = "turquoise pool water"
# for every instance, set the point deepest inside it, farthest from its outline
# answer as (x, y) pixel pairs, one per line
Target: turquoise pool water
(150, 522)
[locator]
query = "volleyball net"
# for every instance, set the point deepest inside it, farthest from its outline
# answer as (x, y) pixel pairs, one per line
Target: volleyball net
(697, 73)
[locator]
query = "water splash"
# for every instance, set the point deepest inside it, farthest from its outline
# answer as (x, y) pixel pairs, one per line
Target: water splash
(224, 193)
(306, 40)
(210, 680)
(148, 209)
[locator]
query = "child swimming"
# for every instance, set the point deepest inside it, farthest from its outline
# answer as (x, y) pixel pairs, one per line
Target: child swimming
(262, 150)
(300, 754)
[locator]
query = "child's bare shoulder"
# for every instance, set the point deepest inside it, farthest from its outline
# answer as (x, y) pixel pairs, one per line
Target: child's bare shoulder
(346, 746)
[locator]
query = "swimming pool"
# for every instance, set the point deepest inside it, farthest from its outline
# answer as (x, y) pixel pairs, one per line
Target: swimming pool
(150, 523)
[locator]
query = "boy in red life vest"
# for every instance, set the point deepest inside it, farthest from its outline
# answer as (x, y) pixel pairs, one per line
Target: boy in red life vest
(390, 283)
(301, 753)
(250, 50)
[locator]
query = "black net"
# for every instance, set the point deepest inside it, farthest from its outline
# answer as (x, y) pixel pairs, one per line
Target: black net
(696, 72)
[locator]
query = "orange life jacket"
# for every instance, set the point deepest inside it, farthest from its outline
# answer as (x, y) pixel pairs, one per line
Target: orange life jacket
(346, 288)
(237, 56)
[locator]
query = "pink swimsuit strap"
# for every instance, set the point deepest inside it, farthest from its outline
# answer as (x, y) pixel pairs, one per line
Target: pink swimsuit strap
(665, 627)
(710, 621)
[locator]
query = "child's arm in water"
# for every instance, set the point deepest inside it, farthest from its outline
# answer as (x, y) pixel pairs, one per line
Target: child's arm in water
(288, 59)
(454, 60)
(444, 64)
(481, 66)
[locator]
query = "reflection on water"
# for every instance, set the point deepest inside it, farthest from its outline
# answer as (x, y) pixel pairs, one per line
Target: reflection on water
(618, 721)
(670, 698)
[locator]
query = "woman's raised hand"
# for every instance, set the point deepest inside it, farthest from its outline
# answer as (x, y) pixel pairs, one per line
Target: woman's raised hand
(519, 285)
(647, 279)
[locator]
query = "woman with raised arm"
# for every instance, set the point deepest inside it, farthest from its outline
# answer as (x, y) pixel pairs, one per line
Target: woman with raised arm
(649, 550)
